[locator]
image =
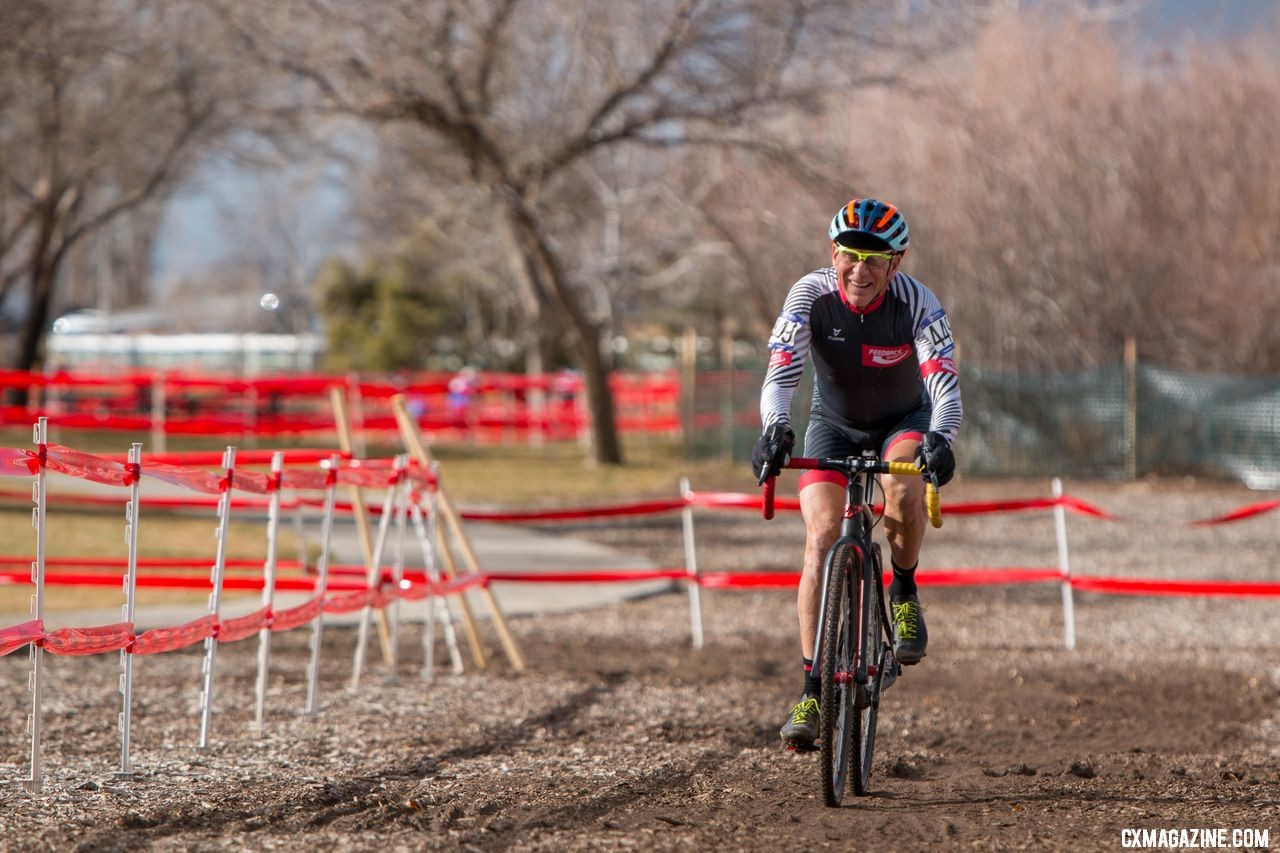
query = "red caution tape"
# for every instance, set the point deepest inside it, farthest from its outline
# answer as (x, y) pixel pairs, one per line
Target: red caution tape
(192, 478)
(349, 602)
(17, 636)
(213, 459)
(1157, 586)
(147, 562)
(645, 508)
(13, 463)
(89, 641)
(1242, 513)
(285, 620)
(587, 577)
(772, 580)
(231, 630)
(736, 500)
(86, 466)
(159, 640)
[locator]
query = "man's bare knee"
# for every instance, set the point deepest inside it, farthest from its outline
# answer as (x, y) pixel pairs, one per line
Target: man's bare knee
(902, 495)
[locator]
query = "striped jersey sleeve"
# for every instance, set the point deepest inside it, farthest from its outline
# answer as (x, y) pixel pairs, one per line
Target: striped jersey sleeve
(789, 347)
(935, 350)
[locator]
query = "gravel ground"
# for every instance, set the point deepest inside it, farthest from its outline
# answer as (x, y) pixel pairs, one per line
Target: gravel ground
(619, 736)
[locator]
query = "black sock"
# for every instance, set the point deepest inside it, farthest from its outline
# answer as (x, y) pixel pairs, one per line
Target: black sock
(812, 679)
(904, 581)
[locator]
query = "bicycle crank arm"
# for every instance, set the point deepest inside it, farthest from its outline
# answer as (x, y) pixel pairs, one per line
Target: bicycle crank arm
(892, 669)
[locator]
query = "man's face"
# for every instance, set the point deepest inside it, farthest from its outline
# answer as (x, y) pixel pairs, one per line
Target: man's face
(864, 276)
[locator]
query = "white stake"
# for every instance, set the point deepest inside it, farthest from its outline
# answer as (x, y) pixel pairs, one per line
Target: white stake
(436, 604)
(322, 586)
(268, 589)
(35, 683)
(131, 517)
(691, 567)
(215, 598)
(397, 575)
(1064, 567)
(373, 578)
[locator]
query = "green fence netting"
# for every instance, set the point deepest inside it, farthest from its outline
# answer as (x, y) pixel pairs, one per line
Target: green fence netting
(1108, 423)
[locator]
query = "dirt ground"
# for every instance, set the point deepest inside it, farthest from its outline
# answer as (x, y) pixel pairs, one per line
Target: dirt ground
(620, 736)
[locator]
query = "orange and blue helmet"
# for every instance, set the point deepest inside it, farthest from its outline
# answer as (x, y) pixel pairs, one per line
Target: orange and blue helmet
(871, 225)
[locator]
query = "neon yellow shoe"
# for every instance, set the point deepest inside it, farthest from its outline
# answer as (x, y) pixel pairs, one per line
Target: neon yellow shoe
(909, 633)
(801, 728)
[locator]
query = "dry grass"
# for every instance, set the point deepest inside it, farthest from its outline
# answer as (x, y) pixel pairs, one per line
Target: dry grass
(80, 534)
(487, 476)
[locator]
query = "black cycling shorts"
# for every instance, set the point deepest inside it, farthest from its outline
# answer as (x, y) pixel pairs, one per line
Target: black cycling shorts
(825, 438)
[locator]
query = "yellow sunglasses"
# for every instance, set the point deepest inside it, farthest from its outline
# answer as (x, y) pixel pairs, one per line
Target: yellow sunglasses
(875, 260)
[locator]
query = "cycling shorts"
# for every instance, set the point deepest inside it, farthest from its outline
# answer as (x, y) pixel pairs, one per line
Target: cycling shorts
(826, 438)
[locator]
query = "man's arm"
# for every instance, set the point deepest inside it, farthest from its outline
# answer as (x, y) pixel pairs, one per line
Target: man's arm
(935, 349)
(788, 351)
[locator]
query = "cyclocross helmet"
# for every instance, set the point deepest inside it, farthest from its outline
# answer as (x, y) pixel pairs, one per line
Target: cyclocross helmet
(869, 224)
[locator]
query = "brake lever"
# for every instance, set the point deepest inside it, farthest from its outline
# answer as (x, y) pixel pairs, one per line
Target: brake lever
(764, 472)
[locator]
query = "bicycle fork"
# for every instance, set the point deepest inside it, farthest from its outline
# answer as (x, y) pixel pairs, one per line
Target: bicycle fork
(860, 673)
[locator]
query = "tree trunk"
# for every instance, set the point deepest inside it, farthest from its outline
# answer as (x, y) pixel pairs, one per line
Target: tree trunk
(551, 287)
(604, 426)
(41, 272)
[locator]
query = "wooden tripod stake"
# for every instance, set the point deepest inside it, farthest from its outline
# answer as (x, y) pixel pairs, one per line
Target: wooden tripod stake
(409, 433)
(338, 399)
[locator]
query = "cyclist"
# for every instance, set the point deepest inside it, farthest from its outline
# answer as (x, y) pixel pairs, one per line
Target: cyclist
(885, 380)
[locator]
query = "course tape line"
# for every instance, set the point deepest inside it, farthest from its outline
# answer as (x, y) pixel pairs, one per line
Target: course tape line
(366, 473)
(106, 638)
(375, 473)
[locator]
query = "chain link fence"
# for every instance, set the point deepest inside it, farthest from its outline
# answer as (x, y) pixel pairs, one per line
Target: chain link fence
(1110, 423)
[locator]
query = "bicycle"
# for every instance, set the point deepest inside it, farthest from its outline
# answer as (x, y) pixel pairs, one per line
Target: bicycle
(853, 647)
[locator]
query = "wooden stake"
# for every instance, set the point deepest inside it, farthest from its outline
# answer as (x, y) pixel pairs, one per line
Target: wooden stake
(409, 433)
(1131, 408)
(338, 399)
(450, 571)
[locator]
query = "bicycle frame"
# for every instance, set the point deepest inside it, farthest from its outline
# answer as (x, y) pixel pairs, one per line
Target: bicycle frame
(855, 532)
(861, 666)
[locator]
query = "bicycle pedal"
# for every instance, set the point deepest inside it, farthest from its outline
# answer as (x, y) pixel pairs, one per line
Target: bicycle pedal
(801, 746)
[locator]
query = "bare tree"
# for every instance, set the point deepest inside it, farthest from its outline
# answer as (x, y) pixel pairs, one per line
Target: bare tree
(104, 105)
(1066, 192)
(519, 99)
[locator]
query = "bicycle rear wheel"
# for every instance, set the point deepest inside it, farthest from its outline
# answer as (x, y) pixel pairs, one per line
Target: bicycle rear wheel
(867, 700)
(839, 727)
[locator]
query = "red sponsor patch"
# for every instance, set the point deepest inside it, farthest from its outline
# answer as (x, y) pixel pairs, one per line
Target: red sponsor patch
(938, 365)
(884, 356)
(779, 357)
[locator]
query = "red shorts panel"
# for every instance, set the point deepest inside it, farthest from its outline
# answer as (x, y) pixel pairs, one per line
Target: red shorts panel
(808, 478)
(913, 436)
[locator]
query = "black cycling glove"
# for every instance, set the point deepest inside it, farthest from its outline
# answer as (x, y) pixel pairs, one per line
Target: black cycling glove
(935, 456)
(772, 451)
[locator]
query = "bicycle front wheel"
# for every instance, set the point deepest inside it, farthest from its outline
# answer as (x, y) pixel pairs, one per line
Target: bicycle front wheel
(867, 699)
(839, 726)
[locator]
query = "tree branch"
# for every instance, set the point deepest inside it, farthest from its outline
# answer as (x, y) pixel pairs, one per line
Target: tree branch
(489, 52)
(667, 50)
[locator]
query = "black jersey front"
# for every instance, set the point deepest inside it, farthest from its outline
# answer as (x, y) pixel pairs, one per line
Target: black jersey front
(871, 367)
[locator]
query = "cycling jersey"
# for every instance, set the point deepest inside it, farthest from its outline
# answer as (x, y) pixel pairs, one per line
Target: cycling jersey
(871, 367)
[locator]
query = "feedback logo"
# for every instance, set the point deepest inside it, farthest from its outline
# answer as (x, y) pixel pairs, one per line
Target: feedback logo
(1199, 838)
(779, 357)
(884, 356)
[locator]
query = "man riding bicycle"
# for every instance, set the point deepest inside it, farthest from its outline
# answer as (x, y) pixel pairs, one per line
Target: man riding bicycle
(885, 380)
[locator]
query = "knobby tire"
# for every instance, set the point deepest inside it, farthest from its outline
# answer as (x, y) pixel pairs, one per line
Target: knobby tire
(868, 696)
(839, 729)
